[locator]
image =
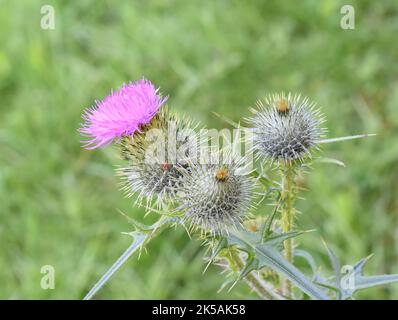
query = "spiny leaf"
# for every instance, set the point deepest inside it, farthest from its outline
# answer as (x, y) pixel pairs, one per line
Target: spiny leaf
(335, 264)
(276, 261)
(222, 244)
(264, 180)
(325, 284)
(362, 282)
(139, 239)
(357, 281)
(307, 257)
(137, 225)
(268, 223)
(278, 239)
(252, 264)
(140, 236)
(269, 256)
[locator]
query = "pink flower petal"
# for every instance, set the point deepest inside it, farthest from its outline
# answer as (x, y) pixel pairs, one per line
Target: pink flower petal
(121, 113)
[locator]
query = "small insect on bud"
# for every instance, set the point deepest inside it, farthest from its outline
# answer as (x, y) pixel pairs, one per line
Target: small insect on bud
(222, 174)
(282, 106)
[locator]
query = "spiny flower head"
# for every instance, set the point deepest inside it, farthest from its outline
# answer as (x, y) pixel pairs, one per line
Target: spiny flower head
(121, 113)
(215, 197)
(286, 127)
(155, 157)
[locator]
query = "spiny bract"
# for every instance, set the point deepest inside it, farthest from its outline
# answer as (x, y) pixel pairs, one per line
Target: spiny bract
(154, 156)
(286, 127)
(214, 197)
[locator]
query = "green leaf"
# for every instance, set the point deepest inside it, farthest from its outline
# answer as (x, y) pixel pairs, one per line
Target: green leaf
(141, 236)
(136, 224)
(373, 281)
(269, 256)
(266, 232)
(263, 179)
(252, 264)
(276, 261)
(277, 239)
(308, 258)
(222, 244)
(359, 282)
(139, 239)
(335, 264)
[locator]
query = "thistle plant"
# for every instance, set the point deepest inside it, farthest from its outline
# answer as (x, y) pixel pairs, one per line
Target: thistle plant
(218, 199)
(287, 130)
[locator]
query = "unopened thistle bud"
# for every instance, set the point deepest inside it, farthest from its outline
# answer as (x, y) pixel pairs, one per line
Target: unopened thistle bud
(215, 197)
(156, 156)
(286, 128)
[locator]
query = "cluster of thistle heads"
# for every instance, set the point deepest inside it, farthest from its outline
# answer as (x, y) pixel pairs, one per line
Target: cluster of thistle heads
(212, 196)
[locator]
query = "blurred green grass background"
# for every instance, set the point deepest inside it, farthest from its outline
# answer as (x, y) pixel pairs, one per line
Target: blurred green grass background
(59, 203)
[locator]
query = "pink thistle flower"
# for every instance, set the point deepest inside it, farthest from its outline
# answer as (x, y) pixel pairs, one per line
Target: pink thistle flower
(121, 113)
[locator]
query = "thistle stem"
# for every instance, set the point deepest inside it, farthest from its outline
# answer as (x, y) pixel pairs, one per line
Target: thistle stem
(287, 219)
(263, 289)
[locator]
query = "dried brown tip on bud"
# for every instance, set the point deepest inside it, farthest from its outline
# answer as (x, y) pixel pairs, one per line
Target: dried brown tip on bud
(222, 174)
(282, 105)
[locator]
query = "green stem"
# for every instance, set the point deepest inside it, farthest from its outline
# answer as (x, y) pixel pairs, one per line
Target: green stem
(287, 219)
(263, 289)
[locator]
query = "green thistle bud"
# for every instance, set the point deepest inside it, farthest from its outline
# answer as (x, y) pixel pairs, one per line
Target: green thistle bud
(215, 197)
(155, 156)
(286, 128)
